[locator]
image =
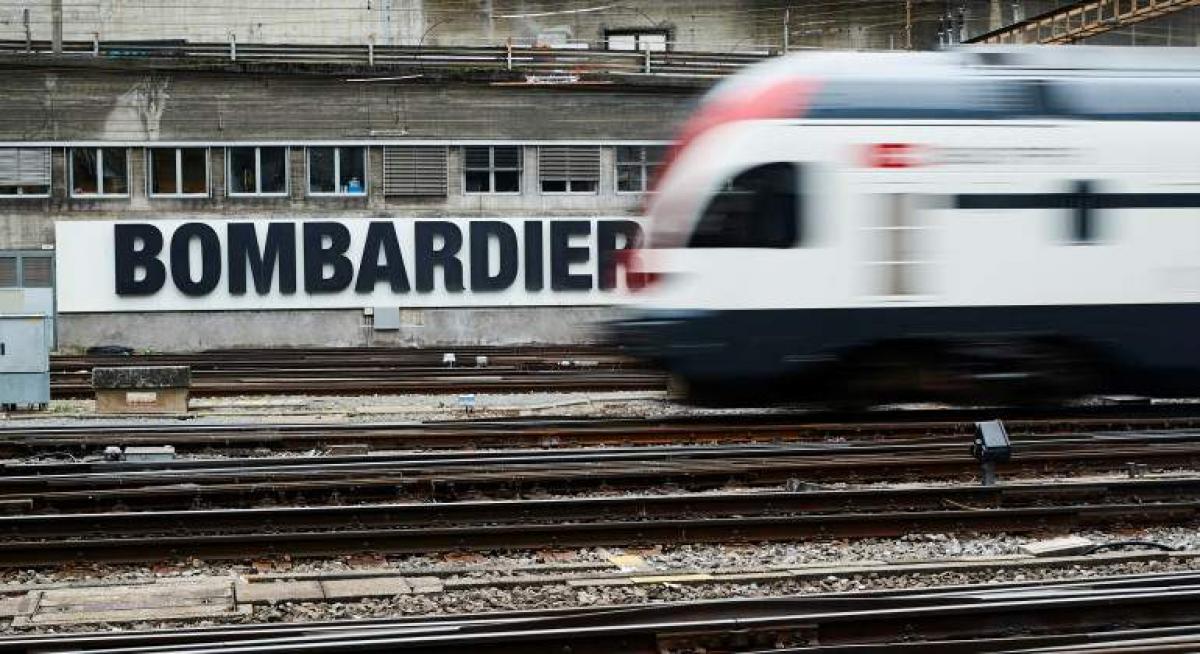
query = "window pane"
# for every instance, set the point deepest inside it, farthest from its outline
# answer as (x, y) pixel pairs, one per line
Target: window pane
(476, 157)
(477, 181)
(320, 170)
(194, 162)
(554, 185)
(622, 41)
(115, 171)
(629, 154)
(274, 170)
(83, 171)
(508, 181)
(37, 272)
(583, 186)
(655, 154)
(241, 170)
(508, 157)
(629, 178)
(162, 170)
(758, 209)
(353, 170)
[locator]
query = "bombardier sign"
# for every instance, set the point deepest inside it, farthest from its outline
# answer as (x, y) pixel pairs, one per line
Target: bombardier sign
(219, 265)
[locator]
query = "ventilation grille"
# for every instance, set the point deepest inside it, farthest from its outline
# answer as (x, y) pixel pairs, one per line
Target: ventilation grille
(24, 166)
(560, 163)
(8, 272)
(37, 272)
(411, 170)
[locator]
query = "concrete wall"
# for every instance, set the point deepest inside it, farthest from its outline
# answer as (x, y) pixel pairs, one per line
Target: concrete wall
(189, 331)
(711, 25)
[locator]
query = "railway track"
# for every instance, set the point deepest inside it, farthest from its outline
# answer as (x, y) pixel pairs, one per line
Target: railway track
(333, 371)
(900, 426)
(1145, 613)
(455, 475)
(635, 520)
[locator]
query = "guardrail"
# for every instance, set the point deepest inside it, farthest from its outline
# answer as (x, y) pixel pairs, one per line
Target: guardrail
(511, 58)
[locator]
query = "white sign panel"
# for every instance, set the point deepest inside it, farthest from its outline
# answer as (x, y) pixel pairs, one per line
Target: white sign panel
(222, 265)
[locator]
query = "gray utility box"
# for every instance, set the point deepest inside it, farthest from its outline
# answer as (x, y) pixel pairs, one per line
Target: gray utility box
(24, 361)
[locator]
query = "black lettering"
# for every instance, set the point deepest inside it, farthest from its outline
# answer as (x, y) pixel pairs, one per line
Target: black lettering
(446, 257)
(482, 233)
(562, 255)
(129, 258)
(534, 270)
(279, 250)
(316, 256)
(606, 247)
(181, 261)
(381, 235)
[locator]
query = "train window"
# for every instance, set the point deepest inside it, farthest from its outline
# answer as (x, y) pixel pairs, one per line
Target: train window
(928, 99)
(1126, 99)
(759, 208)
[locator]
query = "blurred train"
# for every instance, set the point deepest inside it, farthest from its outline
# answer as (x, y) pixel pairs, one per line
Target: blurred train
(997, 225)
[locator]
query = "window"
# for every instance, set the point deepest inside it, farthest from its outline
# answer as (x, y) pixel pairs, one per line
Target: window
(927, 99)
(178, 172)
(569, 169)
(24, 172)
(637, 166)
(492, 169)
(337, 170)
(1169, 98)
(257, 170)
(759, 208)
(26, 270)
(99, 172)
(636, 40)
(414, 171)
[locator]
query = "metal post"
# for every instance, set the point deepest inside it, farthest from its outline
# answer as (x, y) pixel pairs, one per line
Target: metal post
(56, 26)
(95, 44)
(647, 61)
(28, 32)
(786, 16)
(232, 46)
(508, 53)
(371, 52)
(908, 24)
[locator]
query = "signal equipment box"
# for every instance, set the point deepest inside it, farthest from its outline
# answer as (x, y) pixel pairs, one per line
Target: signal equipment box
(24, 361)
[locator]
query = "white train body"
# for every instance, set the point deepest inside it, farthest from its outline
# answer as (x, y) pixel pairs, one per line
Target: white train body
(845, 221)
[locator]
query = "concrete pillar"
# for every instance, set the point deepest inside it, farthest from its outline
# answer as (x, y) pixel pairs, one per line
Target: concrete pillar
(995, 16)
(138, 179)
(56, 26)
(298, 170)
(375, 177)
(216, 175)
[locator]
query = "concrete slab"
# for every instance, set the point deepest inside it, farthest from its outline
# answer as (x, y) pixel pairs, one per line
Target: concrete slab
(135, 603)
(278, 591)
(369, 587)
(601, 581)
(424, 585)
(1064, 546)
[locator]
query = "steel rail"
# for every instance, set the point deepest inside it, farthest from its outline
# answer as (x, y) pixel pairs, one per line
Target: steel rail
(422, 527)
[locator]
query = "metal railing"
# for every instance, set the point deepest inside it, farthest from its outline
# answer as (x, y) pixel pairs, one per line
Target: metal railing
(526, 59)
(1082, 20)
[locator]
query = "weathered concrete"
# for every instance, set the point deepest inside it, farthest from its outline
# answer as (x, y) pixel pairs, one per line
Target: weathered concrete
(141, 377)
(190, 331)
(690, 24)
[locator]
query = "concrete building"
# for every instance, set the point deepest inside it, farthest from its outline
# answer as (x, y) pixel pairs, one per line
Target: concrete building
(386, 123)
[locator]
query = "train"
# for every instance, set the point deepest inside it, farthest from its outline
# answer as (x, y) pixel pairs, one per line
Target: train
(976, 225)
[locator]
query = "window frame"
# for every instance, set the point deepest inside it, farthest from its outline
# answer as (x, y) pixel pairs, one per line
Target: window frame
(643, 165)
(100, 193)
(637, 35)
(49, 179)
(492, 169)
(179, 172)
(258, 179)
(337, 172)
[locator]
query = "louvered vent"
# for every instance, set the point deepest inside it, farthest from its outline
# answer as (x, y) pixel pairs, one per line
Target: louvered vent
(414, 170)
(24, 166)
(561, 163)
(8, 272)
(37, 272)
